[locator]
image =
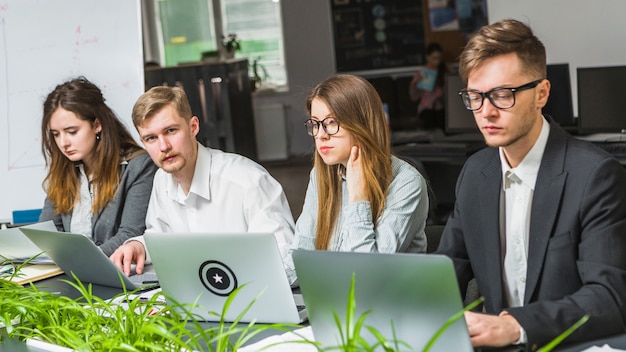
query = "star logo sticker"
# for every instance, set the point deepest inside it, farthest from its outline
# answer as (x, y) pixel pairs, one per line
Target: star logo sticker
(217, 278)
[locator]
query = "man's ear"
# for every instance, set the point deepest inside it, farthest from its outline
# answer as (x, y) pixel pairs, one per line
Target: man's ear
(543, 93)
(194, 125)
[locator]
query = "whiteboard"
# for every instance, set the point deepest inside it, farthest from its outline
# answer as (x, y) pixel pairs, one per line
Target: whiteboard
(582, 33)
(44, 43)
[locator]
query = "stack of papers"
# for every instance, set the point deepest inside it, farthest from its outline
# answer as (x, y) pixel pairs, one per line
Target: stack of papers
(34, 272)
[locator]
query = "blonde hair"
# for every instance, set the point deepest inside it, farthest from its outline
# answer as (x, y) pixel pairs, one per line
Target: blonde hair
(357, 107)
(152, 101)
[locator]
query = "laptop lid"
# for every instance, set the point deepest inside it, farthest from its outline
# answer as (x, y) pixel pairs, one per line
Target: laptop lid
(16, 247)
(75, 253)
(204, 268)
(417, 292)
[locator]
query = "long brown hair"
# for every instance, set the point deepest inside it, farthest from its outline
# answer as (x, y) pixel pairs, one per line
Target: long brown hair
(115, 145)
(357, 107)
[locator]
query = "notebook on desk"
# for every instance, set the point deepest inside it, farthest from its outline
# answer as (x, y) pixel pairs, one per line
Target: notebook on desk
(77, 254)
(24, 274)
(418, 293)
(206, 267)
(17, 248)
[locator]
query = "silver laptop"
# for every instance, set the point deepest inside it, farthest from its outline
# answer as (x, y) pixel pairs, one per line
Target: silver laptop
(75, 253)
(418, 293)
(17, 248)
(205, 268)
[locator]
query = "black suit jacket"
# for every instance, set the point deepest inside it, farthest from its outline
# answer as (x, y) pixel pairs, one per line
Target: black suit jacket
(577, 240)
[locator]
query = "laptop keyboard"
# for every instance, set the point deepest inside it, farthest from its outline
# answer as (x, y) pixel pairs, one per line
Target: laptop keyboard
(143, 279)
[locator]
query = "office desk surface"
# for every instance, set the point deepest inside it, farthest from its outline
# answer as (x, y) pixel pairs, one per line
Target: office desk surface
(616, 342)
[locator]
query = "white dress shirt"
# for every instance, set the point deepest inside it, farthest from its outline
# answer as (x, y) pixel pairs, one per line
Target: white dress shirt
(81, 213)
(229, 193)
(518, 185)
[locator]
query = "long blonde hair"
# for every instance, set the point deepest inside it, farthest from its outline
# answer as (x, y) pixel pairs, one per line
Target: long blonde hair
(357, 107)
(114, 145)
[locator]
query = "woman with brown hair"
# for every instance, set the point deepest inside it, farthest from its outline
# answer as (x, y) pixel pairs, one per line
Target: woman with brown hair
(99, 179)
(360, 198)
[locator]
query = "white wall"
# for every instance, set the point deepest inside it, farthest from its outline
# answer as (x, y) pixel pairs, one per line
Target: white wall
(582, 33)
(42, 44)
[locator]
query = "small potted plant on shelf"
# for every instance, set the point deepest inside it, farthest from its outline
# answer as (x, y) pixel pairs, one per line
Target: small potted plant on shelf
(231, 43)
(258, 73)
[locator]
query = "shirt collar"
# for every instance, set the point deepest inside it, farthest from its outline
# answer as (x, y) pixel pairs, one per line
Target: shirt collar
(200, 184)
(526, 172)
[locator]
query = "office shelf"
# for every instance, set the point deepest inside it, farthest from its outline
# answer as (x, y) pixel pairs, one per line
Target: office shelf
(219, 94)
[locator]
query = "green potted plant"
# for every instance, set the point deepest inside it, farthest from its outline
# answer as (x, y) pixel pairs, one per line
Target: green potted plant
(258, 73)
(231, 44)
(122, 323)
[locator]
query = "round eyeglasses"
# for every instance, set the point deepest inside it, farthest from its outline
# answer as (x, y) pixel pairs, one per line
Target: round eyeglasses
(329, 124)
(501, 98)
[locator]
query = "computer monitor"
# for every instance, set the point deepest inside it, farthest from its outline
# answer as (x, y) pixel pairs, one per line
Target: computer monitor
(600, 95)
(559, 105)
(458, 118)
(386, 90)
(406, 109)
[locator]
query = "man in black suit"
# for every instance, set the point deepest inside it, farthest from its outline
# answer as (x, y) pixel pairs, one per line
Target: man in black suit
(540, 217)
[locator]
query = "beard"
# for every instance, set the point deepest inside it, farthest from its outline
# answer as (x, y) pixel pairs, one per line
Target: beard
(175, 165)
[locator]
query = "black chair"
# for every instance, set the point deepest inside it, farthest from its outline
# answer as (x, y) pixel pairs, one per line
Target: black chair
(433, 236)
(432, 218)
(472, 294)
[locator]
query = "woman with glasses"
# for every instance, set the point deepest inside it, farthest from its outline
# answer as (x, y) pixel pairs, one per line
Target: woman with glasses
(360, 198)
(99, 179)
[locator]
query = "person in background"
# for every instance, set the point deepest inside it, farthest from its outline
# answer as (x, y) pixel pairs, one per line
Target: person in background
(199, 189)
(427, 88)
(540, 216)
(99, 180)
(360, 198)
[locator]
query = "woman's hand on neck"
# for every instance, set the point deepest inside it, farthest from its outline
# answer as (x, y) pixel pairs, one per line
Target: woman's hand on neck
(354, 177)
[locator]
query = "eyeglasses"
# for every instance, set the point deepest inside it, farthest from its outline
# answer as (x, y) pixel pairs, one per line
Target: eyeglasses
(329, 124)
(501, 98)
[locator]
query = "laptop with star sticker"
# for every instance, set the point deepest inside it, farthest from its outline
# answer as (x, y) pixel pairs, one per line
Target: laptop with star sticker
(204, 269)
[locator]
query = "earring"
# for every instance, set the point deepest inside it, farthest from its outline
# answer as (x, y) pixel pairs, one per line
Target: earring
(98, 135)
